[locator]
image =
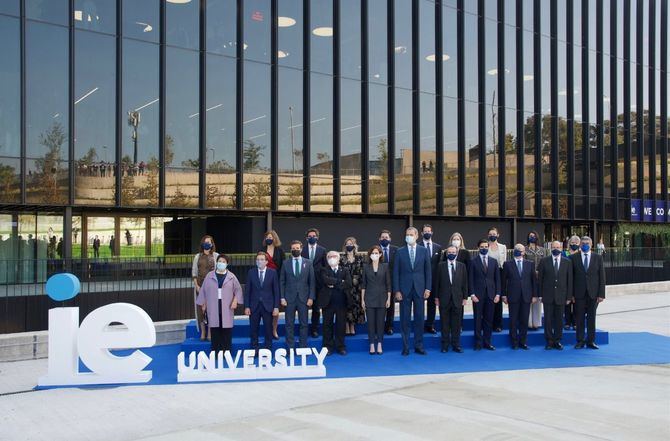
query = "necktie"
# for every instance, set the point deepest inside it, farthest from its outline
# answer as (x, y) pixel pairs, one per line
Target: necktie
(586, 262)
(262, 277)
(296, 267)
(311, 253)
(518, 265)
(556, 266)
(430, 248)
(451, 273)
(486, 265)
(411, 256)
(386, 255)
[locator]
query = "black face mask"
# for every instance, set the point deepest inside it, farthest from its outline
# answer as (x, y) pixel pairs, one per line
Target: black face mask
(349, 248)
(574, 246)
(312, 240)
(268, 241)
(296, 253)
(384, 242)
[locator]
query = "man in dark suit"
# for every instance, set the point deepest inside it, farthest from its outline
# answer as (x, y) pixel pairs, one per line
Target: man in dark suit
(450, 288)
(555, 285)
(261, 297)
(519, 290)
(298, 292)
(333, 299)
(317, 255)
(412, 285)
(485, 288)
(388, 251)
(435, 251)
(589, 291)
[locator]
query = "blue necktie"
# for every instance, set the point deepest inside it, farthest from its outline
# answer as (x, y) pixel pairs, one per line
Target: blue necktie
(586, 262)
(518, 264)
(411, 256)
(262, 277)
(386, 254)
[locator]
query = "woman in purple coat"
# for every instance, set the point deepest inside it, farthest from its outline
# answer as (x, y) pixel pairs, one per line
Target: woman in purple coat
(219, 296)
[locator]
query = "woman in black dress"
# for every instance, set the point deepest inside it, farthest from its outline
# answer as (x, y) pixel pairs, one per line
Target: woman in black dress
(353, 262)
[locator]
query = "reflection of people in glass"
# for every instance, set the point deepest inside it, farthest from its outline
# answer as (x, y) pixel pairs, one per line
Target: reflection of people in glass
(96, 247)
(59, 248)
(129, 238)
(112, 244)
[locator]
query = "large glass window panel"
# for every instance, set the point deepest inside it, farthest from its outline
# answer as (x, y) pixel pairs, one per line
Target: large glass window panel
(10, 88)
(10, 7)
(140, 105)
(529, 163)
(48, 244)
(561, 16)
(350, 38)
(450, 177)
(52, 11)
(377, 41)
(94, 118)
(427, 56)
(290, 31)
(403, 43)
(528, 6)
(472, 147)
(182, 158)
(378, 148)
(561, 76)
(182, 20)
(257, 21)
(95, 15)
(470, 58)
(133, 231)
(510, 67)
(158, 235)
(511, 170)
(222, 26)
(449, 52)
(256, 136)
(403, 151)
(547, 122)
(102, 229)
(321, 36)
(290, 123)
(491, 115)
(350, 146)
(321, 142)
(141, 19)
(221, 125)
(10, 179)
(46, 113)
(632, 66)
(528, 72)
(427, 154)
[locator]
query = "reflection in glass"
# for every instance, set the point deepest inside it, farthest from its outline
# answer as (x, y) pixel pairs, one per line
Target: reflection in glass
(290, 27)
(10, 7)
(290, 123)
(133, 236)
(158, 235)
(350, 38)
(257, 20)
(52, 11)
(511, 170)
(77, 237)
(451, 190)
(529, 164)
(182, 20)
(222, 26)
(378, 148)
(403, 43)
(449, 52)
(140, 19)
(350, 146)
(10, 105)
(140, 106)
(427, 154)
(221, 125)
(472, 147)
(545, 44)
(427, 56)
(100, 240)
(94, 119)
(491, 113)
(321, 36)
(95, 15)
(403, 151)
(182, 152)
(256, 136)
(377, 41)
(321, 143)
(46, 113)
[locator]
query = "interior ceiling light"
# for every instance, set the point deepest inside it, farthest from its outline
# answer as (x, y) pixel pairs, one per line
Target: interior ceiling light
(285, 22)
(323, 31)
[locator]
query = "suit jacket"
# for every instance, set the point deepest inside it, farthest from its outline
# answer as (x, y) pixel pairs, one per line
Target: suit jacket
(266, 295)
(318, 262)
(277, 256)
(434, 257)
(341, 282)
(406, 277)
(297, 288)
(555, 289)
(519, 288)
(590, 282)
(484, 283)
(376, 285)
(392, 251)
(446, 290)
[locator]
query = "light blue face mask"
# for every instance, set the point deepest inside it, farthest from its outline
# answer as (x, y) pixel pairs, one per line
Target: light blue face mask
(221, 266)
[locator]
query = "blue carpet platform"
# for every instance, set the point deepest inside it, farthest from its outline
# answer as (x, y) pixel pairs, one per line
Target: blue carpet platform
(359, 342)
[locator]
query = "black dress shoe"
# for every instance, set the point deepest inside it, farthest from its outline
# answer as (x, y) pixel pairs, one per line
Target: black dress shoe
(579, 345)
(420, 351)
(524, 347)
(314, 334)
(558, 346)
(405, 352)
(592, 346)
(498, 329)
(373, 352)
(515, 347)
(389, 332)
(490, 347)
(478, 347)
(458, 349)
(342, 352)
(429, 330)
(548, 347)
(275, 337)
(444, 350)
(566, 327)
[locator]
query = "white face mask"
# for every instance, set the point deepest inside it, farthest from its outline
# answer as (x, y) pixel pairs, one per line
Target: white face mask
(374, 257)
(261, 264)
(410, 240)
(221, 266)
(456, 243)
(333, 261)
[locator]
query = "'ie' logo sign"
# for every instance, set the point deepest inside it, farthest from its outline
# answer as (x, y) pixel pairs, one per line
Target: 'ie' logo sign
(91, 342)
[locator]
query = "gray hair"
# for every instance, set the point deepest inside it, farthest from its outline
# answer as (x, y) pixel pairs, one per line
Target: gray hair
(574, 238)
(587, 239)
(520, 247)
(413, 229)
(557, 242)
(333, 253)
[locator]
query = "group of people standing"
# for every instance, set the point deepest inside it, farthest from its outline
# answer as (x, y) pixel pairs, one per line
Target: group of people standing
(349, 287)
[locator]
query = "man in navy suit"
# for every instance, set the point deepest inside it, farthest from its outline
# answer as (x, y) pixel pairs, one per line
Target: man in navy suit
(484, 284)
(261, 296)
(388, 251)
(519, 290)
(317, 255)
(412, 285)
(435, 251)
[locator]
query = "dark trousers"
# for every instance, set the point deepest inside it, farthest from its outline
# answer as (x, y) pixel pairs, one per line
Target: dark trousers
(289, 317)
(518, 322)
(316, 315)
(390, 315)
(553, 323)
(222, 339)
(338, 314)
(585, 312)
(410, 301)
(254, 324)
(570, 315)
(431, 308)
(483, 320)
(450, 319)
(375, 317)
(498, 315)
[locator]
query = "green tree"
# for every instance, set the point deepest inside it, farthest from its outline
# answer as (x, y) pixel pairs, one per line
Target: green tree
(169, 150)
(252, 155)
(48, 167)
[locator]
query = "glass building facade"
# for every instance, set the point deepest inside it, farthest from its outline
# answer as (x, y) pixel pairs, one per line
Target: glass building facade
(118, 114)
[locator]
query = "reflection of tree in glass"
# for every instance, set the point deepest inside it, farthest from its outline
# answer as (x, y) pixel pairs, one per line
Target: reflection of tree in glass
(7, 181)
(169, 150)
(220, 166)
(191, 163)
(48, 167)
(252, 155)
(323, 157)
(383, 158)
